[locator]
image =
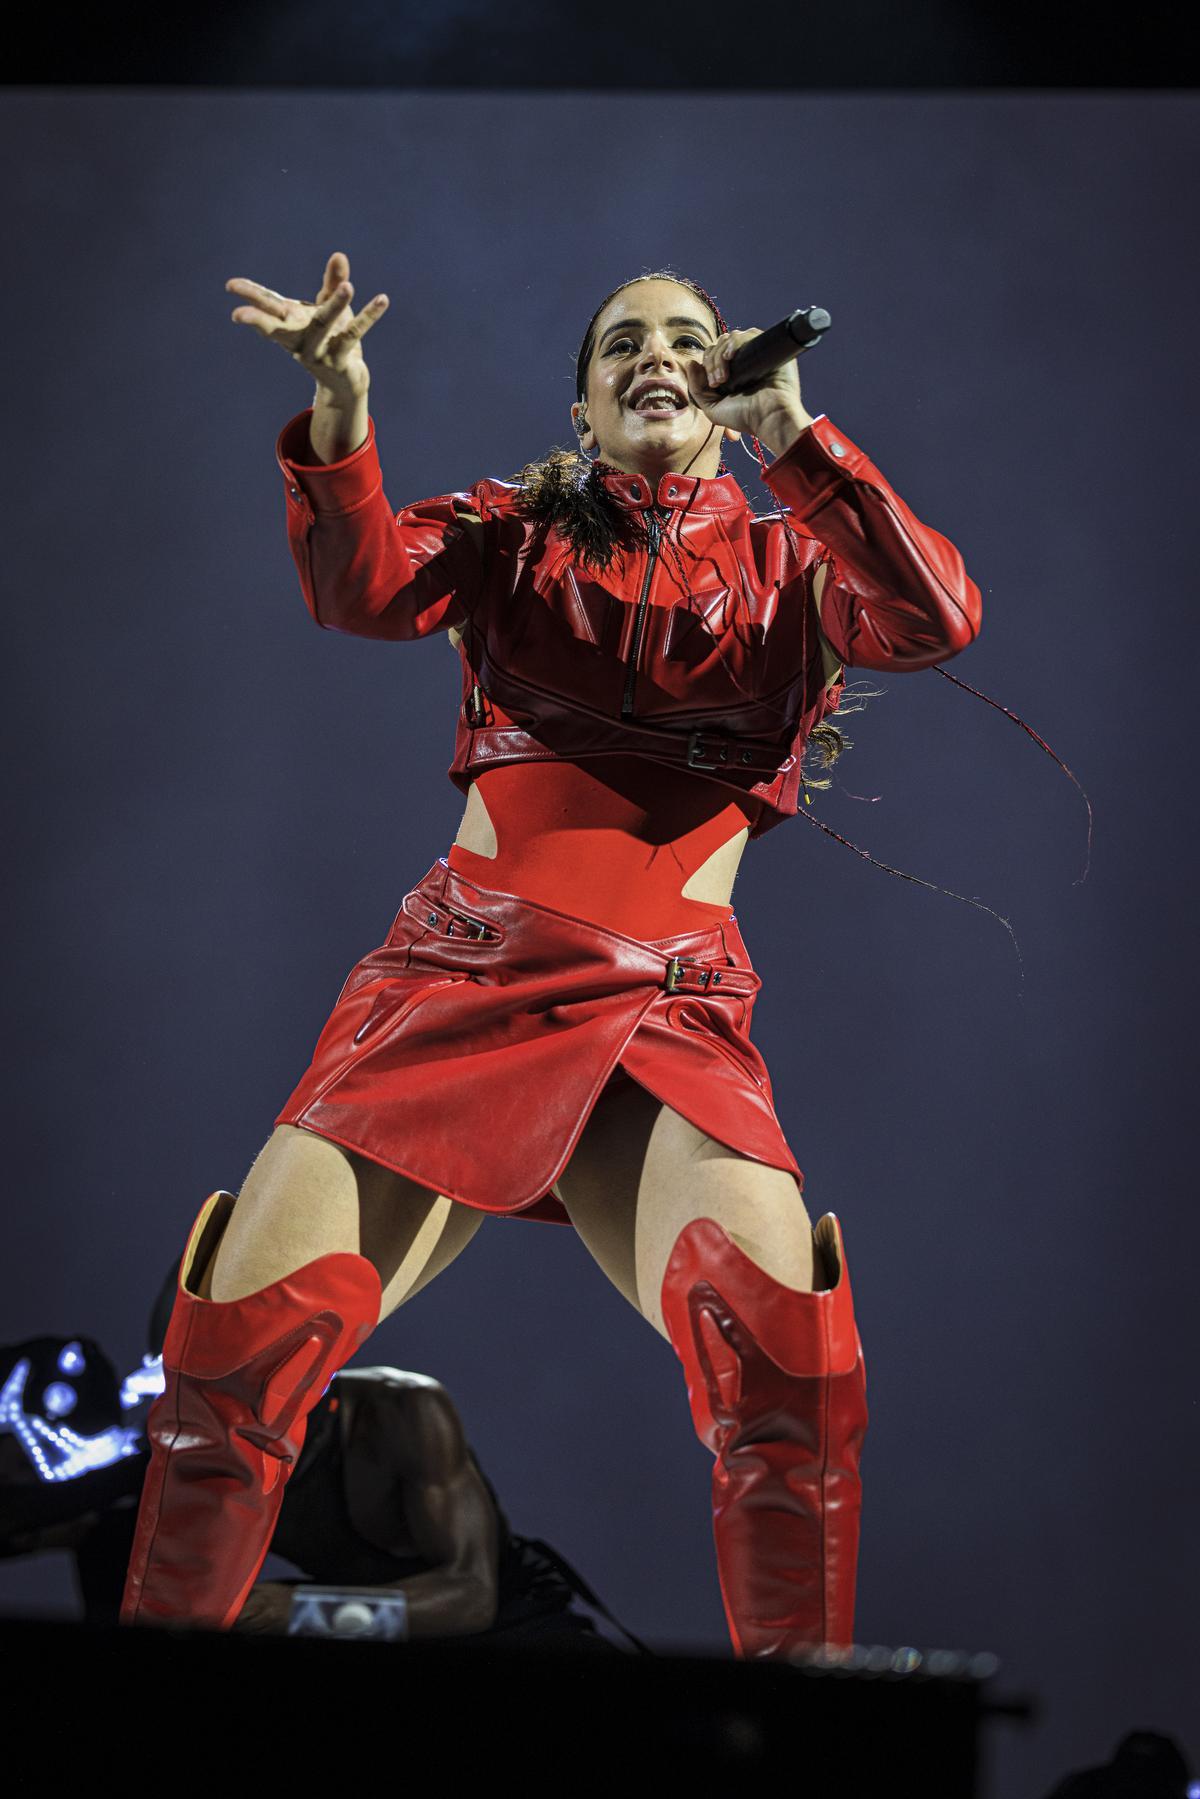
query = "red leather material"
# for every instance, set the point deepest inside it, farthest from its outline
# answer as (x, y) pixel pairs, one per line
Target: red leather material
(897, 595)
(468, 1051)
(777, 1387)
(241, 1377)
(701, 653)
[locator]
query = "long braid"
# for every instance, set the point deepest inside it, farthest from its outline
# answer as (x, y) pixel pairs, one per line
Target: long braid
(939, 670)
(967, 688)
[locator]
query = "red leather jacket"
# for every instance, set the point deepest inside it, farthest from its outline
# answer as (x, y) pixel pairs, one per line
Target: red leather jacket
(720, 671)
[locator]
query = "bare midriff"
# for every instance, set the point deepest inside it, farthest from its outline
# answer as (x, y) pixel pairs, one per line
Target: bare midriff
(619, 841)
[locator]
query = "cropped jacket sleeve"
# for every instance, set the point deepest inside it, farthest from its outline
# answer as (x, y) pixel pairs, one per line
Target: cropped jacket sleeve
(896, 594)
(368, 570)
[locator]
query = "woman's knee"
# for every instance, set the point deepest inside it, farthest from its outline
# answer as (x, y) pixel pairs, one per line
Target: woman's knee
(642, 1173)
(760, 1209)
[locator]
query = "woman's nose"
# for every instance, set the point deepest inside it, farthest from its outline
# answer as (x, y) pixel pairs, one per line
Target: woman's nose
(657, 350)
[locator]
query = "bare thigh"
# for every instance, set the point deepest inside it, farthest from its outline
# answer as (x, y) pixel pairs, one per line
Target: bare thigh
(641, 1172)
(305, 1197)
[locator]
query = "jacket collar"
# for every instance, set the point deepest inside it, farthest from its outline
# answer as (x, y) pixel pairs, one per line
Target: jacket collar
(674, 493)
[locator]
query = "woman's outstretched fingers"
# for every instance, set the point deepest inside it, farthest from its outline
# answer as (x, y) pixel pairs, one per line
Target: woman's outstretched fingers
(346, 334)
(334, 303)
(290, 321)
(272, 314)
(337, 269)
(323, 336)
(370, 314)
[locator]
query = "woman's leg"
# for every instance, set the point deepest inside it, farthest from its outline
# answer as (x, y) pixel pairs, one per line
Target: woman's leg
(306, 1197)
(278, 1287)
(641, 1172)
(718, 1254)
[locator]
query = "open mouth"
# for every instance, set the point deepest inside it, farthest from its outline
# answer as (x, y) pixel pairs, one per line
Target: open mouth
(659, 402)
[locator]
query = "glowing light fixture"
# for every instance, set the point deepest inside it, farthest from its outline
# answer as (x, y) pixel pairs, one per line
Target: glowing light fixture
(59, 1453)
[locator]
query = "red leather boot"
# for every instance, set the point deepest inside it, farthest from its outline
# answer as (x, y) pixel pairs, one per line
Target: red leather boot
(777, 1388)
(242, 1376)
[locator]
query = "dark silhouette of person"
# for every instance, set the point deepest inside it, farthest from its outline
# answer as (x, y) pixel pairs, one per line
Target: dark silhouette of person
(387, 1493)
(1144, 1765)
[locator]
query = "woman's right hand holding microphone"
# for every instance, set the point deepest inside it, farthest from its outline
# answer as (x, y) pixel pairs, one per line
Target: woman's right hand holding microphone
(326, 339)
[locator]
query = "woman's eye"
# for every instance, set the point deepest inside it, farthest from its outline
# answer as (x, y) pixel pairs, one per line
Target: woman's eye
(617, 343)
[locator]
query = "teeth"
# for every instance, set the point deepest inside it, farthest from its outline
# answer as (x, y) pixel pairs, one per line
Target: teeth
(658, 399)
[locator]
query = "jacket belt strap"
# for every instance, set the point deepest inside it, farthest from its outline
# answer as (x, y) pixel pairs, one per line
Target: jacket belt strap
(703, 747)
(719, 749)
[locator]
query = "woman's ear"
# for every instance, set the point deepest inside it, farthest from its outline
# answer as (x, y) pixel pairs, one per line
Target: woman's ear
(583, 430)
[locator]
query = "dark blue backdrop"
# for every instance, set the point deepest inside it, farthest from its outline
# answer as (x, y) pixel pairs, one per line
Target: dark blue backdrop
(214, 807)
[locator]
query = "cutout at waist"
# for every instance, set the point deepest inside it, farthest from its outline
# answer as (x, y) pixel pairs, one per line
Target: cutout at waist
(614, 841)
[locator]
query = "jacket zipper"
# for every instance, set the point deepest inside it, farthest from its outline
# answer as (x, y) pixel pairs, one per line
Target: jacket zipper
(654, 531)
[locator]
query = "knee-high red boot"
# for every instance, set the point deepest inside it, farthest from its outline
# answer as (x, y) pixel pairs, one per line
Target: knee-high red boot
(241, 1376)
(777, 1388)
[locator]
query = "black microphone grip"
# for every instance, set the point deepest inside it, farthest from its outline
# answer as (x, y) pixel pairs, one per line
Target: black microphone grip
(756, 361)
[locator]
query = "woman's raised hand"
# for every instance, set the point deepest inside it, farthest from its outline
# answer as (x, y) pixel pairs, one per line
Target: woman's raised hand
(325, 338)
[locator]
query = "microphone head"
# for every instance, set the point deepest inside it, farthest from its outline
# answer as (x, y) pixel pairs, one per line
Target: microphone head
(806, 325)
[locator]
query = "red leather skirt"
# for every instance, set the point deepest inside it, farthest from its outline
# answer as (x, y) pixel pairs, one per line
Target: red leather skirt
(469, 1049)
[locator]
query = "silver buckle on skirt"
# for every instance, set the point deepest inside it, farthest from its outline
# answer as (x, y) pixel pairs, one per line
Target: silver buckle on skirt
(697, 977)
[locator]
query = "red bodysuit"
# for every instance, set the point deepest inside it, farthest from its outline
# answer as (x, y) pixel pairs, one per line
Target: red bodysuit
(613, 840)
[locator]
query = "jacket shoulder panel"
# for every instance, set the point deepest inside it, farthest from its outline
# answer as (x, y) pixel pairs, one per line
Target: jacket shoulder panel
(492, 495)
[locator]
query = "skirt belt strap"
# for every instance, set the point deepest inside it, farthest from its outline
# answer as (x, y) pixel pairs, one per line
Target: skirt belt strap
(684, 976)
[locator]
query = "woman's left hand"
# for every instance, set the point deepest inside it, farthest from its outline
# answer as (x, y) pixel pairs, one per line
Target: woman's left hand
(772, 412)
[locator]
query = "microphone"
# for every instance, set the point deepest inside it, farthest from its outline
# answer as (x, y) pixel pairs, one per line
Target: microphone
(756, 361)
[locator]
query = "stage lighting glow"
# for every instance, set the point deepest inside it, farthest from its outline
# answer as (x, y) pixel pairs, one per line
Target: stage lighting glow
(60, 1454)
(59, 1399)
(71, 1360)
(144, 1383)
